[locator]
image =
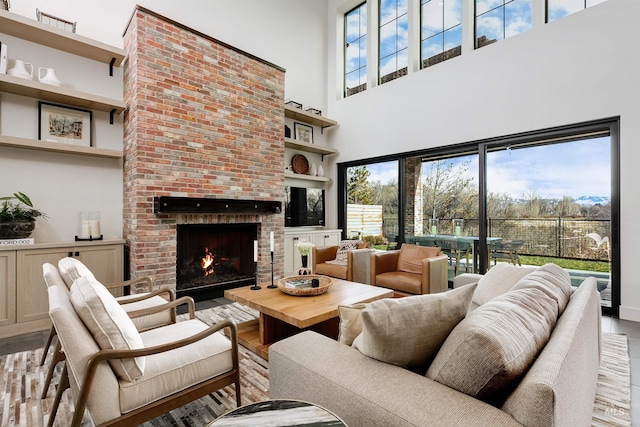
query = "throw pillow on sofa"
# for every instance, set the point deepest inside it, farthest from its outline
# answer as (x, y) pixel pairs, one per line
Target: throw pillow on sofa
(409, 331)
(492, 348)
(109, 324)
(499, 279)
(350, 322)
(343, 247)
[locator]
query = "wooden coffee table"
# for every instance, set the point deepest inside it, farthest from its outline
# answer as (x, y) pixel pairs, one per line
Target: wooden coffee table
(283, 315)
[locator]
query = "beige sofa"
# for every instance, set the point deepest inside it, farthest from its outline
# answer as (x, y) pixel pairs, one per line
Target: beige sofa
(557, 390)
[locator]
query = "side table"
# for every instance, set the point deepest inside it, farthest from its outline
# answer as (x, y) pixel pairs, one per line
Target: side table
(279, 412)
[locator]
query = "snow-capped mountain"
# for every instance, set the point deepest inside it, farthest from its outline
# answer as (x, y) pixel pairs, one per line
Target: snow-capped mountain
(592, 200)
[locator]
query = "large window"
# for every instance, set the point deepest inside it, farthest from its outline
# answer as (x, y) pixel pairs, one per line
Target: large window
(394, 26)
(550, 196)
(500, 19)
(355, 50)
(557, 9)
(441, 30)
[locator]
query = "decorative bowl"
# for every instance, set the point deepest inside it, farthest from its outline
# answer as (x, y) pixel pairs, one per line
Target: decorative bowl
(288, 285)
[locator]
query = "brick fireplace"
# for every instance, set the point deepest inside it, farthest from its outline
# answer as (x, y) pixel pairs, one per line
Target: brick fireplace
(204, 123)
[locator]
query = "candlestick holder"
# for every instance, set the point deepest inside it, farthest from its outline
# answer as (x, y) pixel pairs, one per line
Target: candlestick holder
(272, 285)
(255, 287)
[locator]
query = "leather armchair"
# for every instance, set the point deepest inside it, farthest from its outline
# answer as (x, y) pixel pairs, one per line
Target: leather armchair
(411, 270)
(325, 263)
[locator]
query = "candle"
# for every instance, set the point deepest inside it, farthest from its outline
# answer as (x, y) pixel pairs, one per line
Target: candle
(271, 241)
(94, 226)
(85, 230)
(458, 230)
(255, 251)
(434, 229)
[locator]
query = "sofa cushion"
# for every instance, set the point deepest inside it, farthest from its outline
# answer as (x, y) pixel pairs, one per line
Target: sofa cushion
(350, 322)
(331, 269)
(409, 331)
(71, 269)
(401, 281)
(108, 323)
(498, 280)
(411, 256)
(551, 279)
(490, 350)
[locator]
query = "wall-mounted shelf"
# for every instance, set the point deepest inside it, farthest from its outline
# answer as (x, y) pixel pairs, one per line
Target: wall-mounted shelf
(311, 148)
(294, 175)
(63, 95)
(313, 119)
(34, 144)
(42, 34)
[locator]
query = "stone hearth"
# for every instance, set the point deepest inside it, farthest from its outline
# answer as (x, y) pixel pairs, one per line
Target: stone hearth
(203, 120)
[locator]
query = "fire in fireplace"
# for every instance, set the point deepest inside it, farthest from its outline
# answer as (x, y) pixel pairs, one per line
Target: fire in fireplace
(214, 256)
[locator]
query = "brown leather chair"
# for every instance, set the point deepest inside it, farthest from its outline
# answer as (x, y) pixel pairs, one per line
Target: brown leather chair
(411, 270)
(325, 260)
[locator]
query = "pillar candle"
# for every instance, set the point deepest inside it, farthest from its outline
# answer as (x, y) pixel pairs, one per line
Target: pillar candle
(271, 242)
(434, 229)
(85, 230)
(255, 251)
(94, 225)
(458, 230)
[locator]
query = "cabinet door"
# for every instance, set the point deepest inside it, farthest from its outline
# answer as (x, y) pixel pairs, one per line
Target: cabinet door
(105, 262)
(31, 291)
(7, 288)
(292, 258)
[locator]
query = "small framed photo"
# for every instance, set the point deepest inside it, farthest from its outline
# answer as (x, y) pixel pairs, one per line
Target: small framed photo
(303, 132)
(67, 125)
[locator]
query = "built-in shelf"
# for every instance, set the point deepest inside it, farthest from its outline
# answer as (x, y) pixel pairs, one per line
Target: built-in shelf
(42, 34)
(34, 144)
(59, 94)
(311, 148)
(289, 174)
(313, 119)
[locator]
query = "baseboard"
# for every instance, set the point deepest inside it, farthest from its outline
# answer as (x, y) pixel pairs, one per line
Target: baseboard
(629, 313)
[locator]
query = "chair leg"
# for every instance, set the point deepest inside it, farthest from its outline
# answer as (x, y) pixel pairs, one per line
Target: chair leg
(52, 333)
(58, 356)
(64, 384)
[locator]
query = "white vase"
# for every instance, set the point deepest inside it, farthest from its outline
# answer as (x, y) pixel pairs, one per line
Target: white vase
(49, 76)
(320, 170)
(19, 69)
(312, 170)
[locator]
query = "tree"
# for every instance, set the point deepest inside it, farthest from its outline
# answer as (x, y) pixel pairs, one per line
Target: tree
(358, 188)
(448, 193)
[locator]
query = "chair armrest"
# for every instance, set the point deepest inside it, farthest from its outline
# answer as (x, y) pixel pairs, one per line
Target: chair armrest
(141, 284)
(383, 262)
(435, 274)
(324, 254)
(171, 305)
(358, 265)
(105, 355)
(171, 296)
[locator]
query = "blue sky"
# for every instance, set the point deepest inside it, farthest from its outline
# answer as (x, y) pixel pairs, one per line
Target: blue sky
(574, 169)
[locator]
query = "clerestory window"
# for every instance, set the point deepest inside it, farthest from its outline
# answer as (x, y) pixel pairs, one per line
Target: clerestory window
(441, 30)
(355, 50)
(500, 19)
(557, 9)
(393, 34)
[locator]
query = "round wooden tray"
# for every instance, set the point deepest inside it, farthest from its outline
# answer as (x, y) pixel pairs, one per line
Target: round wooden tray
(300, 164)
(325, 283)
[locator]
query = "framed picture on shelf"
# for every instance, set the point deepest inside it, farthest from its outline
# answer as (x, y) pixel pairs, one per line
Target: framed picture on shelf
(67, 125)
(303, 132)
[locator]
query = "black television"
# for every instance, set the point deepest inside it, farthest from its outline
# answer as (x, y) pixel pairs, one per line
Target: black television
(303, 207)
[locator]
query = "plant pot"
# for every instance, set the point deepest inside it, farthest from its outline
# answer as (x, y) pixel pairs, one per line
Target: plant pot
(17, 229)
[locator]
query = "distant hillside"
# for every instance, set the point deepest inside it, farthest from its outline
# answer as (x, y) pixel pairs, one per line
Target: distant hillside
(592, 200)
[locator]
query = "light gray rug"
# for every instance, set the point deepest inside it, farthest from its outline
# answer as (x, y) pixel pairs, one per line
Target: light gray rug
(21, 376)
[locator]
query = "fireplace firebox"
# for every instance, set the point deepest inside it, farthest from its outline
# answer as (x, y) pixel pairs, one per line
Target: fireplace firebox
(214, 256)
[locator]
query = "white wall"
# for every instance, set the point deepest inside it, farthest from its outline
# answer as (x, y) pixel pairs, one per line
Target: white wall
(582, 67)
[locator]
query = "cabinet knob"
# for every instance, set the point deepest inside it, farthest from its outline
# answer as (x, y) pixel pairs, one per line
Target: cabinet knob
(76, 253)
(296, 238)
(69, 254)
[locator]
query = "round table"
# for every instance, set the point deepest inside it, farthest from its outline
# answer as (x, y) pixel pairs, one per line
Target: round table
(278, 412)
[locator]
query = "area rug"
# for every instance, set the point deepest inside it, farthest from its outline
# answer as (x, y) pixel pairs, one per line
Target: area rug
(21, 379)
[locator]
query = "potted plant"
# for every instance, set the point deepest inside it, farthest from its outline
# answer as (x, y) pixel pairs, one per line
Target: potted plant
(17, 219)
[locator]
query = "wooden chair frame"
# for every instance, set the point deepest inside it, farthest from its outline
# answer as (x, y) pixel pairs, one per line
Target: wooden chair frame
(167, 403)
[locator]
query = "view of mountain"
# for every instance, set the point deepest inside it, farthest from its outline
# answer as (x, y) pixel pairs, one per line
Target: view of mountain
(592, 200)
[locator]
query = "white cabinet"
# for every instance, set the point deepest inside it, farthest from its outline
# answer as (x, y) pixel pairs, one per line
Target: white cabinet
(292, 258)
